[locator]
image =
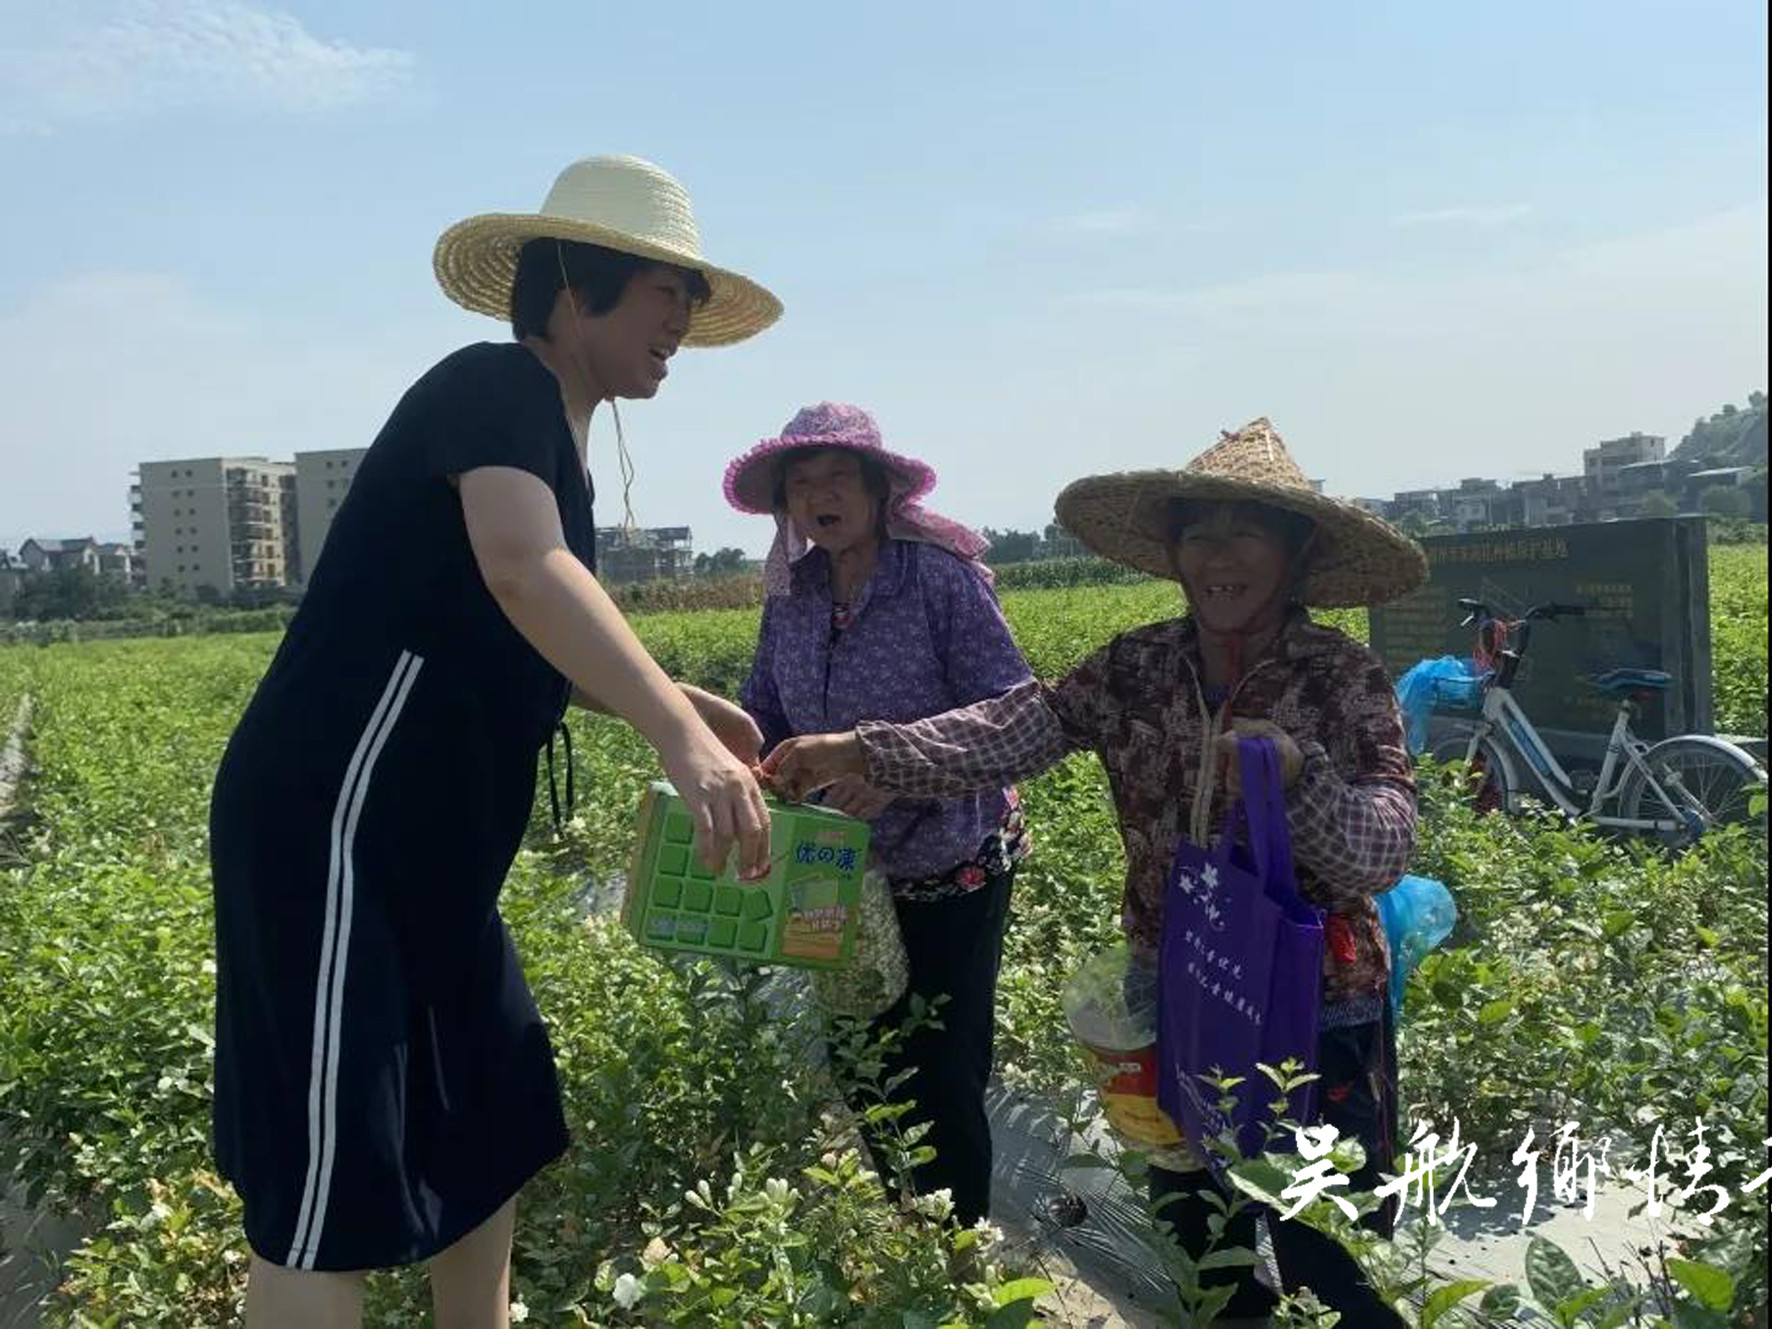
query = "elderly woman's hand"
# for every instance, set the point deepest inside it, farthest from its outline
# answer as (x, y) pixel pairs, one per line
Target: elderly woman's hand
(799, 766)
(1291, 758)
(854, 795)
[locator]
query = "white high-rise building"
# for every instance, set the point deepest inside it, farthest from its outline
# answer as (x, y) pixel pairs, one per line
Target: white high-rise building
(226, 523)
(321, 479)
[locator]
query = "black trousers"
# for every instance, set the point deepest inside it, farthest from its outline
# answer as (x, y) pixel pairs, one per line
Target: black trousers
(955, 948)
(1357, 1094)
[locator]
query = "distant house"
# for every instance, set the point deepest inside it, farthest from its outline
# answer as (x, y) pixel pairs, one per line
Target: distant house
(1729, 477)
(56, 555)
(1551, 500)
(1474, 503)
(1717, 477)
(119, 561)
(1602, 462)
(1619, 476)
(662, 553)
(1422, 504)
(104, 559)
(11, 573)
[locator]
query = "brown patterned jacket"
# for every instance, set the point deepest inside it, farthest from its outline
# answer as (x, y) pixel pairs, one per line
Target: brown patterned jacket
(1139, 705)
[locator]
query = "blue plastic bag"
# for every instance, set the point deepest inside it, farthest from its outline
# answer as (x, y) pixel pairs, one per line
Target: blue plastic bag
(1446, 684)
(1418, 915)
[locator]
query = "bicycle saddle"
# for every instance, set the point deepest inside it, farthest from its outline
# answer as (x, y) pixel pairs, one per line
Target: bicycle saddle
(1623, 682)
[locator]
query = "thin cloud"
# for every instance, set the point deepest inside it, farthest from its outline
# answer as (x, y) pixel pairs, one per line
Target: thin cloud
(74, 473)
(1414, 377)
(1493, 215)
(1104, 221)
(1267, 291)
(115, 61)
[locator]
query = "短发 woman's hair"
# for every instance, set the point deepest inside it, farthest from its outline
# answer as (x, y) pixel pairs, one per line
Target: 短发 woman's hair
(598, 275)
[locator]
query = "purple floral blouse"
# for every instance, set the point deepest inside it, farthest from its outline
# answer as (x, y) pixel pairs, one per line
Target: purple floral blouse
(924, 635)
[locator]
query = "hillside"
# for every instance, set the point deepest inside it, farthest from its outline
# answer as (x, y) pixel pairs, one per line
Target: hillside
(1732, 437)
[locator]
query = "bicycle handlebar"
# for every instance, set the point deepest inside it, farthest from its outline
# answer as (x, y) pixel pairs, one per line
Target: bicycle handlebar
(1476, 610)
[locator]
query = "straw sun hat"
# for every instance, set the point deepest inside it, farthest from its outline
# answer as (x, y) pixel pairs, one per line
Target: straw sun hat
(620, 203)
(750, 479)
(1356, 559)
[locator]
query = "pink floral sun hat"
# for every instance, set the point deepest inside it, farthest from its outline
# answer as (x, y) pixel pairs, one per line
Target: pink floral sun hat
(750, 487)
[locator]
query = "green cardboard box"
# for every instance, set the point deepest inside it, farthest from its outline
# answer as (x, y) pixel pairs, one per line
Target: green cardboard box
(803, 913)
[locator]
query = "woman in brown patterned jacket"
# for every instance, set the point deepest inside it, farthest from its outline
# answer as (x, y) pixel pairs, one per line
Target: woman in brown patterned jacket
(1252, 544)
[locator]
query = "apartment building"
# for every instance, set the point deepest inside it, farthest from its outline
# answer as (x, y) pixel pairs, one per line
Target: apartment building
(662, 552)
(1423, 504)
(321, 480)
(226, 523)
(1550, 500)
(1474, 503)
(1603, 462)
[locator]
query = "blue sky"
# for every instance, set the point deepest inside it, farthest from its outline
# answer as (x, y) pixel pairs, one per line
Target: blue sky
(1037, 240)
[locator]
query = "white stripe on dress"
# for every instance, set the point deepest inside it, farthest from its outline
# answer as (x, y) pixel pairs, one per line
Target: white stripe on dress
(329, 985)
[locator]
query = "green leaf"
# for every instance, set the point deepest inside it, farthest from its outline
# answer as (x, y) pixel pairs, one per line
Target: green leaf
(1022, 1289)
(1616, 922)
(1260, 1179)
(1569, 1312)
(1233, 1257)
(1551, 1274)
(1015, 1303)
(1707, 936)
(1494, 1012)
(1445, 1298)
(1688, 1316)
(1710, 1287)
(1500, 1301)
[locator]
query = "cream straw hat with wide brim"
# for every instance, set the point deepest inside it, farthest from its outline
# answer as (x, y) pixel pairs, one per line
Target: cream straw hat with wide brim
(621, 203)
(1355, 559)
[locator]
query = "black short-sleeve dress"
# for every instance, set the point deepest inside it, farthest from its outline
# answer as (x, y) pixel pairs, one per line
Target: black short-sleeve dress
(383, 1082)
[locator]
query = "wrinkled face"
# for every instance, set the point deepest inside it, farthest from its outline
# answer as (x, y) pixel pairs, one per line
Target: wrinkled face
(829, 500)
(1234, 565)
(628, 347)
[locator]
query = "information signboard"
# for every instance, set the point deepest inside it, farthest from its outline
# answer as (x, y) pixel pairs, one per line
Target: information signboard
(1646, 588)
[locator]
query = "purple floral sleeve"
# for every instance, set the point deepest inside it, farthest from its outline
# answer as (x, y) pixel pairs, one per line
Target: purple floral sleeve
(758, 695)
(977, 647)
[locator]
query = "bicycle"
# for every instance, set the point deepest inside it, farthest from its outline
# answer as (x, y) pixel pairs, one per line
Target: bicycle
(1676, 789)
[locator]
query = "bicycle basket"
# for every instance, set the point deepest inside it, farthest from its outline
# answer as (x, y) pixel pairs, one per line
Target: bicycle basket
(1457, 694)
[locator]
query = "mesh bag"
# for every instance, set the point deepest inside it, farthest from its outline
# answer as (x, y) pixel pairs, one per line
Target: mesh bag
(878, 971)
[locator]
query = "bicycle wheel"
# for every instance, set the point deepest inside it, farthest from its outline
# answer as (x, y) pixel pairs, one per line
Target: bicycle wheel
(1707, 778)
(1491, 772)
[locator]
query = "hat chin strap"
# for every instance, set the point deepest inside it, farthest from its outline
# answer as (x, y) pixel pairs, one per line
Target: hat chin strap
(621, 443)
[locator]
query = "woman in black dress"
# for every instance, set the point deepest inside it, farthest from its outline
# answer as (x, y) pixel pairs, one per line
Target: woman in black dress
(384, 1084)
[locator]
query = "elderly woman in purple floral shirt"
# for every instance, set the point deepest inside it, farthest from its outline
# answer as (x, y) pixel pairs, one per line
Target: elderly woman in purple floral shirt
(878, 609)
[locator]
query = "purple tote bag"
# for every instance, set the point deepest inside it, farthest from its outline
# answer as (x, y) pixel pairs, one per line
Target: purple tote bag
(1240, 967)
